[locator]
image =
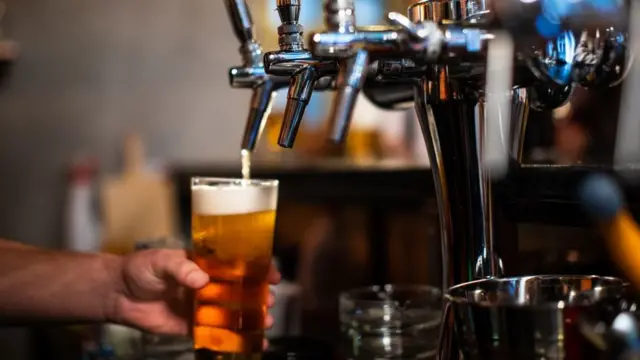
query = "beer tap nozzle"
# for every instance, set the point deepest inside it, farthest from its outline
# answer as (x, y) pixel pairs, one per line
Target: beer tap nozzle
(350, 81)
(294, 61)
(300, 91)
(340, 19)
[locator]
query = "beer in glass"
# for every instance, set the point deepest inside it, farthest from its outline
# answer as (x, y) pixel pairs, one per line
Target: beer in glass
(232, 227)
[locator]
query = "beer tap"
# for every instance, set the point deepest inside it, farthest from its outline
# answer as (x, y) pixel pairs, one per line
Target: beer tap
(340, 19)
(251, 74)
(355, 47)
(429, 56)
(442, 51)
(294, 61)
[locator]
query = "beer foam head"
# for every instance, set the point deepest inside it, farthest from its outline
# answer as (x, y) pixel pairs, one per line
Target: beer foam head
(232, 199)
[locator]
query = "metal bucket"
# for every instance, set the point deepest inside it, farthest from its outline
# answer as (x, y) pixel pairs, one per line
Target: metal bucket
(535, 317)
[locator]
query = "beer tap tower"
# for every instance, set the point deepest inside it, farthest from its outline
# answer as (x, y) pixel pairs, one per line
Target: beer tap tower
(471, 83)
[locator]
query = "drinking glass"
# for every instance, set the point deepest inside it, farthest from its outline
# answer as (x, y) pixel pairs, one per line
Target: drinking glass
(232, 227)
(391, 322)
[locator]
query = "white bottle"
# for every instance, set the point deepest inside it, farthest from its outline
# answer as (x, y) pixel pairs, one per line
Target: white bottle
(82, 230)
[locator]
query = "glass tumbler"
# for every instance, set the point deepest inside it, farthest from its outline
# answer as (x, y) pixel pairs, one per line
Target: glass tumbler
(391, 322)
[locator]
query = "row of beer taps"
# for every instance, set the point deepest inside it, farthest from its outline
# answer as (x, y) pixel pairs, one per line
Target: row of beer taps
(457, 62)
(344, 56)
(341, 58)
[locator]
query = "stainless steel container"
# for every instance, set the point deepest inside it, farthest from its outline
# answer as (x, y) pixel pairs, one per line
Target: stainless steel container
(535, 317)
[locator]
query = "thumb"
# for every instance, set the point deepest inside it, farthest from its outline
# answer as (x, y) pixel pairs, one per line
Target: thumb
(175, 265)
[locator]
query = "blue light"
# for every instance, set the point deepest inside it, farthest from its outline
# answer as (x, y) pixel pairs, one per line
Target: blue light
(561, 49)
(565, 45)
(608, 6)
(550, 47)
(557, 9)
(547, 28)
(310, 14)
(369, 12)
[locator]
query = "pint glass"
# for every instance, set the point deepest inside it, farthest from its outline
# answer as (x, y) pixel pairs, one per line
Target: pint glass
(232, 227)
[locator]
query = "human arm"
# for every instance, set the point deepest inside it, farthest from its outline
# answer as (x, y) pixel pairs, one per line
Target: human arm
(57, 286)
(145, 289)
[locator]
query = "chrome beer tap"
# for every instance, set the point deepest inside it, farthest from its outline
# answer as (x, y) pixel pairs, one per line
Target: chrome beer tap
(451, 111)
(355, 48)
(300, 65)
(251, 74)
(442, 52)
(424, 54)
(345, 42)
(340, 19)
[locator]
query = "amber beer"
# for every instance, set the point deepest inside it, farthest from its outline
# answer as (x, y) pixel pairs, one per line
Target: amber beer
(232, 229)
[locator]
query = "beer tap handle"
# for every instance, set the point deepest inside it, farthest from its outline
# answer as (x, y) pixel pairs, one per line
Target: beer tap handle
(413, 30)
(300, 91)
(290, 30)
(350, 83)
(288, 10)
(425, 35)
(240, 20)
(242, 24)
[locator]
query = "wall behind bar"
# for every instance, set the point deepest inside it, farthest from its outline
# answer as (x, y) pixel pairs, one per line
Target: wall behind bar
(89, 71)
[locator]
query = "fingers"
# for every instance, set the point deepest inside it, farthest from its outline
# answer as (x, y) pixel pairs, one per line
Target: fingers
(174, 264)
(271, 300)
(268, 322)
(274, 276)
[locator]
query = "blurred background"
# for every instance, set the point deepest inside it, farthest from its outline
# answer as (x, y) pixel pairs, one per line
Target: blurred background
(90, 73)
